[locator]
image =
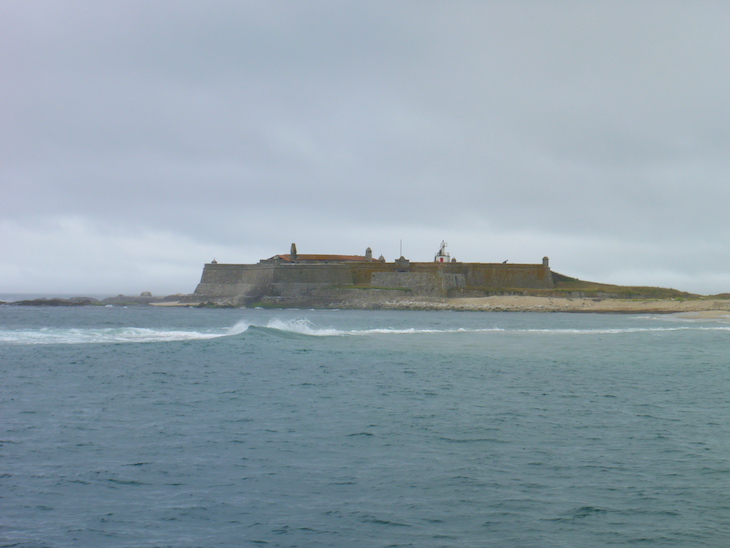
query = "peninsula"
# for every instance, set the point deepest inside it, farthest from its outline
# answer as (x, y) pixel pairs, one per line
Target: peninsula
(295, 280)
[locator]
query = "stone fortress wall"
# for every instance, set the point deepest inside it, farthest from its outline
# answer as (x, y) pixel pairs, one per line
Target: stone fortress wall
(294, 277)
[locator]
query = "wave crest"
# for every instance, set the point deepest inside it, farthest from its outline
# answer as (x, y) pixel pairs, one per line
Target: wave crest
(101, 335)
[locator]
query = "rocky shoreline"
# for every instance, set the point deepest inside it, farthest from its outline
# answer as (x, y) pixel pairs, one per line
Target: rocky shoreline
(119, 300)
(502, 303)
(518, 303)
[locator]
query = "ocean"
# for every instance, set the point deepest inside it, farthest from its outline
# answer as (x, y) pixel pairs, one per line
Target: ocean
(182, 427)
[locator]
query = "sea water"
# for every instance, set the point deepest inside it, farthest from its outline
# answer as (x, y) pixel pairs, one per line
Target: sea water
(178, 427)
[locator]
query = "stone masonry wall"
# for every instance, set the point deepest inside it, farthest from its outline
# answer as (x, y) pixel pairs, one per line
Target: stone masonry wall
(230, 280)
(423, 283)
(235, 280)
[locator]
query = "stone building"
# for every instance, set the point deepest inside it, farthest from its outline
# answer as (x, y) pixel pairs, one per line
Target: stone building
(293, 277)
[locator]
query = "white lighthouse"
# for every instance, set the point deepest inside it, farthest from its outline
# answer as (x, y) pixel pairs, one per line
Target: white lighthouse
(442, 256)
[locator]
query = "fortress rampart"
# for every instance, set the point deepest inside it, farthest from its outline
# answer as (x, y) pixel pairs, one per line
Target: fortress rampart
(292, 278)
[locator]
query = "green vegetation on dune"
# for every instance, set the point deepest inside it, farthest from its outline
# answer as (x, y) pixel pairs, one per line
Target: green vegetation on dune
(567, 286)
(573, 288)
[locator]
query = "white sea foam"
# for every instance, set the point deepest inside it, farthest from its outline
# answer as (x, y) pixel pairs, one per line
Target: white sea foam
(239, 328)
(101, 335)
(306, 327)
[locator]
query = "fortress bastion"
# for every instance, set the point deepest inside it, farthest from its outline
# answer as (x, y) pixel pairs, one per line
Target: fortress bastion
(295, 279)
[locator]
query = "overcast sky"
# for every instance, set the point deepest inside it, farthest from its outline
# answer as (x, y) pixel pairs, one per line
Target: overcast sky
(140, 140)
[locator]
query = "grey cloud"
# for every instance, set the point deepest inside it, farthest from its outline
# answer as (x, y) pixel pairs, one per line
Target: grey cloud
(236, 124)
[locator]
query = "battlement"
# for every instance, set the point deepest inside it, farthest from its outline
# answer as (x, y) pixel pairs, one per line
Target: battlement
(292, 276)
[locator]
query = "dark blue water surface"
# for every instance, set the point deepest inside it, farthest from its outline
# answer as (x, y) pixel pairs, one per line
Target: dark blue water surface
(149, 427)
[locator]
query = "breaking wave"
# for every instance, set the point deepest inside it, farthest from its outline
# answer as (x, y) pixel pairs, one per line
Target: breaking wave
(49, 335)
(306, 327)
(281, 327)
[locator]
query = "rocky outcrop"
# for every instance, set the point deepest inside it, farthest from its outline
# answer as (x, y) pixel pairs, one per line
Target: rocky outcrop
(73, 301)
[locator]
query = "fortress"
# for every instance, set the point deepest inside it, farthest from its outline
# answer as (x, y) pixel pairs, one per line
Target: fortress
(320, 280)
